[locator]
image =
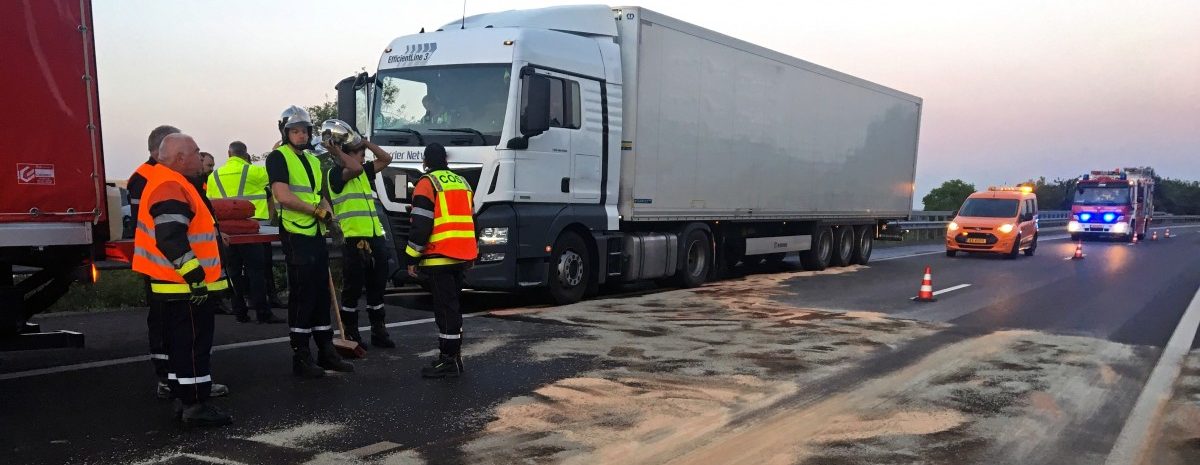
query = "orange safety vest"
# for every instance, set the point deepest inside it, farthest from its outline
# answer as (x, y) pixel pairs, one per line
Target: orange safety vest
(165, 277)
(453, 233)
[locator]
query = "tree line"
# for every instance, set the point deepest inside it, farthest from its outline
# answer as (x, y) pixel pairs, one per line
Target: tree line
(1175, 196)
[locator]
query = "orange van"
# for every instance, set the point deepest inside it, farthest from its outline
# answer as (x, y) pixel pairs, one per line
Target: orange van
(1002, 220)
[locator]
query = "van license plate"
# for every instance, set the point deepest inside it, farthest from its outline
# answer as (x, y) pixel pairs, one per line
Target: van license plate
(977, 241)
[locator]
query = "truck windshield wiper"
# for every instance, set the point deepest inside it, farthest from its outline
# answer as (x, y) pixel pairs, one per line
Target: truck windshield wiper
(482, 140)
(420, 140)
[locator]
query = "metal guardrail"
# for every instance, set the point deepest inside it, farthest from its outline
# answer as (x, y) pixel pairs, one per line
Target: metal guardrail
(932, 220)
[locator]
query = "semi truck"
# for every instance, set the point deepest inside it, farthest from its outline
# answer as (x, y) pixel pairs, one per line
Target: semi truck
(54, 206)
(610, 145)
(1113, 204)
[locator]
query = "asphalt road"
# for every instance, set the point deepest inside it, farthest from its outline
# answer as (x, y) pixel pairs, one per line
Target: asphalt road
(1105, 317)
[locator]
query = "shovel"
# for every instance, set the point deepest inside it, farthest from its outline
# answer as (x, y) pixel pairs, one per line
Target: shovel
(345, 347)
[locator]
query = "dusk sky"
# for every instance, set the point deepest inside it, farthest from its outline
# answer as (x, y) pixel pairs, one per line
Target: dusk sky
(1013, 89)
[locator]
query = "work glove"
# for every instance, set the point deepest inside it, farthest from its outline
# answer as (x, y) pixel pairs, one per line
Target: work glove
(199, 293)
(323, 215)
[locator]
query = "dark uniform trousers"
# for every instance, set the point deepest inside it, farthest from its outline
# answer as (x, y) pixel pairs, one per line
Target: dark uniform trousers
(308, 280)
(156, 327)
(359, 272)
(446, 284)
(189, 344)
(245, 267)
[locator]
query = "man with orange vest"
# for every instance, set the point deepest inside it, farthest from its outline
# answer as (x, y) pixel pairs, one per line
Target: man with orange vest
(155, 319)
(175, 246)
(442, 246)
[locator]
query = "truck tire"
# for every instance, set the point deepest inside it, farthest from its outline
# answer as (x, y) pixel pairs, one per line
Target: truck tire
(695, 260)
(569, 269)
(818, 256)
(864, 243)
(843, 246)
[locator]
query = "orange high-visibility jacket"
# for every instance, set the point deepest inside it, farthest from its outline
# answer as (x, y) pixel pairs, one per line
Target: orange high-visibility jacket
(452, 236)
(183, 254)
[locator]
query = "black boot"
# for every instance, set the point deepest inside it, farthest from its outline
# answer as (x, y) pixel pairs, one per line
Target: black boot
(444, 366)
(328, 358)
(379, 334)
(303, 366)
(204, 415)
(350, 321)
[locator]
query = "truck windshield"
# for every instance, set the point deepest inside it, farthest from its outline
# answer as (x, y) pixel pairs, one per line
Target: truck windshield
(451, 105)
(1102, 196)
(989, 208)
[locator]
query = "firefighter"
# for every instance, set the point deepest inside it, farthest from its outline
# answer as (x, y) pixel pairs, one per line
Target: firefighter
(441, 246)
(246, 264)
(296, 181)
(175, 246)
(364, 252)
(155, 320)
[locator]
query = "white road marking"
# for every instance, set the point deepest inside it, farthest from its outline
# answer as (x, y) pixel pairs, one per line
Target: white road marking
(1135, 437)
(373, 449)
(142, 358)
(948, 289)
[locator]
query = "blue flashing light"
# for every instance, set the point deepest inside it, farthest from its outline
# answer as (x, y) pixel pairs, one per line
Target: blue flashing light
(1110, 217)
(1085, 217)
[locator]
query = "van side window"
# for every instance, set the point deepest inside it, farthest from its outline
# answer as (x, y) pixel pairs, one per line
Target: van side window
(564, 104)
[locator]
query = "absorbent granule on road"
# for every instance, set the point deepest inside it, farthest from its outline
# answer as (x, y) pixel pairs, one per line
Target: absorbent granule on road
(728, 374)
(1178, 440)
(297, 435)
(680, 367)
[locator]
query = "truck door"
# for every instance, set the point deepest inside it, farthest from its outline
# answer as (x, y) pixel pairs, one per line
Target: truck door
(545, 166)
(586, 117)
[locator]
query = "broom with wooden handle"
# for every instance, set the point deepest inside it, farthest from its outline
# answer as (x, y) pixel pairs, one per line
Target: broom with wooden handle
(345, 347)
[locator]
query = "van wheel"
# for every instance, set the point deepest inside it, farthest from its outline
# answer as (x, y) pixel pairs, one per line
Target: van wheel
(818, 256)
(864, 242)
(1016, 250)
(1032, 247)
(695, 259)
(843, 245)
(569, 269)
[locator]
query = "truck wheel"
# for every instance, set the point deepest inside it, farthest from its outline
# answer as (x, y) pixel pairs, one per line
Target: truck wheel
(818, 256)
(843, 245)
(570, 269)
(695, 260)
(775, 258)
(864, 242)
(1016, 250)
(1032, 247)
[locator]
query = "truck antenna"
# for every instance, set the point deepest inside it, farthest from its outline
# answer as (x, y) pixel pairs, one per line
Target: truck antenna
(464, 17)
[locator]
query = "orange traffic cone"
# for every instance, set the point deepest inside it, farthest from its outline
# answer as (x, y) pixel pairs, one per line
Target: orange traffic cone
(1154, 235)
(926, 292)
(1078, 251)
(1134, 241)
(1167, 234)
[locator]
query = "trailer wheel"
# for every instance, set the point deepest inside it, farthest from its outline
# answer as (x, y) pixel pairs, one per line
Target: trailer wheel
(695, 260)
(570, 269)
(864, 243)
(843, 246)
(817, 257)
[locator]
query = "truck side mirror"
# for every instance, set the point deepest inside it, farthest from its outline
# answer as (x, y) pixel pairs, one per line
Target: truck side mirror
(351, 95)
(535, 113)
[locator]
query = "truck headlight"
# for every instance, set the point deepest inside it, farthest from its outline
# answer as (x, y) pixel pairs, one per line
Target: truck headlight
(493, 236)
(1074, 226)
(1120, 228)
(1005, 228)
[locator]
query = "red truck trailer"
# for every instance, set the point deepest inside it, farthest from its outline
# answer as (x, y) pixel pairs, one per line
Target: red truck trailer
(53, 202)
(1113, 204)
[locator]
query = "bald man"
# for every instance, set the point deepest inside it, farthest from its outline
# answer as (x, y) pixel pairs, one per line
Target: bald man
(176, 248)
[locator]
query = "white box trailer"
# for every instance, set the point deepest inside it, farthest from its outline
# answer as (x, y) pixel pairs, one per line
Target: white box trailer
(619, 144)
(718, 128)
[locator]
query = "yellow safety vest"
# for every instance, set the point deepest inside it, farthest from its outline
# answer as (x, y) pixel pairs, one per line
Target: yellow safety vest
(354, 207)
(238, 179)
(302, 222)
